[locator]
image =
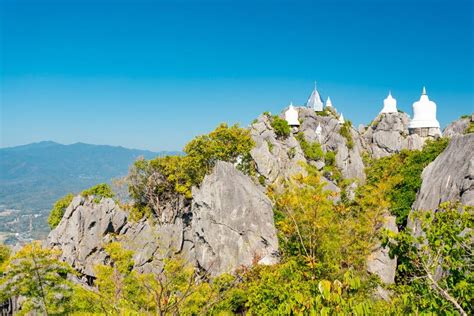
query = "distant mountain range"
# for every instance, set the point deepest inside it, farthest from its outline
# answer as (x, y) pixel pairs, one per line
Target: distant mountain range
(33, 176)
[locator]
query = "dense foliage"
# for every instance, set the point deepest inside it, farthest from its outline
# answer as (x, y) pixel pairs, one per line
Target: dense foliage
(150, 180)
(345, 132)
(311, 150)
(99, 191)
(57, 212)
(436, 265)
(280, 126)
(401, 175)
(4, 255)
(39, 277)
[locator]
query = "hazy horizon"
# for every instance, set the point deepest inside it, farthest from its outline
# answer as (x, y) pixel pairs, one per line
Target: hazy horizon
(152, 75)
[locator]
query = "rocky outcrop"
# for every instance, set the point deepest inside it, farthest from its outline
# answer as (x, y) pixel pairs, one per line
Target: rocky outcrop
(348, 158)
(379, 261)
(275, 158)
(450, 177)
(458, 127)
(388, 134)
(84, 229)
(232, 222)
(229, 225)
(280, 158)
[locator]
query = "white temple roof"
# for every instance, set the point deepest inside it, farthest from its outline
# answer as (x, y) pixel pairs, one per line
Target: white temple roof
(314, 101)
(319, 129)
(291, 116)
(389, 104)
(328, 102)
(424, 113)
(341, 119)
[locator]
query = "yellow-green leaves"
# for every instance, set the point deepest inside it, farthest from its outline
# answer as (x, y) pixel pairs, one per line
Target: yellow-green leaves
(58, 210)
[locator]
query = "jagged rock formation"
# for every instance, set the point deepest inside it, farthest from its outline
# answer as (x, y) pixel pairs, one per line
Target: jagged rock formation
(388, 134)
(458, 127)
(450, 177)
(229, 224)
(271, 154)
(348, 160)
(280, 158)
(232, 222)
(379, 261)
(85, 227)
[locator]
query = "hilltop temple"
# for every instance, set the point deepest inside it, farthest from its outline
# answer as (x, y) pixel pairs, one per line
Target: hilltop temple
(389, 104)
(424, 122)
(314, 101)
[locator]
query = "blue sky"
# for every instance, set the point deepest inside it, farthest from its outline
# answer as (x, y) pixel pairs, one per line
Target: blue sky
(153, 74)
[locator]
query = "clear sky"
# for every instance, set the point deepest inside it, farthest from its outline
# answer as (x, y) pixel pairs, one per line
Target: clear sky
(153, 74)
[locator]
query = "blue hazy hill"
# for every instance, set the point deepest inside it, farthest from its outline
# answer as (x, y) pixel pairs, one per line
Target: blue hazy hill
(33, 176)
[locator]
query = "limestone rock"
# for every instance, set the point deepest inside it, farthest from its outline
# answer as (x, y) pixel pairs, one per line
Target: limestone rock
(232, 222)
(388, 134)
(457, 128)
(85, 226)
(379, 262)
(450, 176)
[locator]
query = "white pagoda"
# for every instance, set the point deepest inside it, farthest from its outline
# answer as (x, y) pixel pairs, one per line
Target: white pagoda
(424, 122)
(319, 131)
(314, 101)
(341, 119)
(291, 116)
(328, 102)
(389, 104)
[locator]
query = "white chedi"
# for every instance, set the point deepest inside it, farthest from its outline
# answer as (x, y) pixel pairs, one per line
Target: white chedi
(314, 101)
(389, 104)
(291, 116)
(341, 119)
(328, 102)
(424, 113)
(319, 131)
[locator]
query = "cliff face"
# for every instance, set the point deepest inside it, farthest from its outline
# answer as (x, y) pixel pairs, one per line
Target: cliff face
(229, 224)
(388, 134)
(450, 176)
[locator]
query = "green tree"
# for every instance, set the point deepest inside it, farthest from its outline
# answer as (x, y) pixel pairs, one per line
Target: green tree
(4, 255)
(280, 126)
(436, 265)
(311, 150)
(57, 212)
(36, 274)
(99, 191)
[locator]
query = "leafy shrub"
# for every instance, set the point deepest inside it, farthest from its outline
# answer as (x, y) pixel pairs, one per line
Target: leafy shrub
(330, 158)
(470, 128)
(401, 175)
(99, 191)
(270, 146)
(291, 152)
(4, 255)
(312, 151)
(345, 131)
(57, 212)
(280, 126)
(150, 180)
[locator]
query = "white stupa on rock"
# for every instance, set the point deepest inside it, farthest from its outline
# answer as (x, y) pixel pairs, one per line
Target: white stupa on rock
(424, 120)
(314, 101)
(389, 104)
(328, 102)
(341, 119)
(291, 116)
(319, 131)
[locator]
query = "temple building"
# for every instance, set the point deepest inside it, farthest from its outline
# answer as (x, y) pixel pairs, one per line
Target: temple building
(314, 101)
(424, 122)
(328, 102)
(291, 116)
(341, 119)
(389, 104)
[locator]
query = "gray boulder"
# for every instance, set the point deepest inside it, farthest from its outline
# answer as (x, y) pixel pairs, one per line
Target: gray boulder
(230, 225)
(388, 134)
(84, 229)
(450, 177)
(457, 128)
(379, 261)
(232, 222)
